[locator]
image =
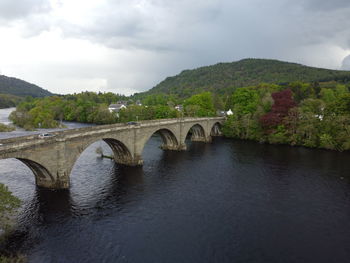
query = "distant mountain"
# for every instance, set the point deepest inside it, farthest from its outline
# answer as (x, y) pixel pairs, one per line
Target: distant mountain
(225, 77)
(21, 88)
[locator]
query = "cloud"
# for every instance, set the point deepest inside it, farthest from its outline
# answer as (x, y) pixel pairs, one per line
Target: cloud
(19, 9)
(324, 5)
(346, 63)
(131, 45)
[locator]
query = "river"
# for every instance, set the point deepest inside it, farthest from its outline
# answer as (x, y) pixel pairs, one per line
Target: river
(227, 201)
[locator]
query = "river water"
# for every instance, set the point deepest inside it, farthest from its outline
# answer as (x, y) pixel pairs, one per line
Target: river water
(227, 201)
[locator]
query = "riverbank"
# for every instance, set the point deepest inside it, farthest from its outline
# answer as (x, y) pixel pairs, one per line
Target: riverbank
(9, 205)
(6, 128)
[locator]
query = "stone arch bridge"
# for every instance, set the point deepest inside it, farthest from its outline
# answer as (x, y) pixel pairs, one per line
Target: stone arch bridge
(52, 159)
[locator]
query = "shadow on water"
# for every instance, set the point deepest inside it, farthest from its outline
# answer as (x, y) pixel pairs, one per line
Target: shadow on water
(291, 158)
(53, 205)
(47, 207)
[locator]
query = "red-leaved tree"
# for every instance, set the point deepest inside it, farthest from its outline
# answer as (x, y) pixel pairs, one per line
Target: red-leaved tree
(283, 102)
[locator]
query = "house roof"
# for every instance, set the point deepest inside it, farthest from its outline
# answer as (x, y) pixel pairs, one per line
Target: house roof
(116, 106)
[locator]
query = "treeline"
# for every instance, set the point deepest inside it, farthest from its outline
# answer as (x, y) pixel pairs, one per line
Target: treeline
(49, 112)
(297, 114)
(90, 107)
(223, 78)
(8, 101)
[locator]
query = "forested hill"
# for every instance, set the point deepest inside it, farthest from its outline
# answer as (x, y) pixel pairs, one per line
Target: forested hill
(224, 77)
(21, 88)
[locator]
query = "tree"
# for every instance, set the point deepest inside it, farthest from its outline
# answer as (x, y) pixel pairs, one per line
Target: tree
(341, 106)
(315, 106)
(327, 95)
(218, 102)
(204, 105)
(283, 102)
(244, 101)
(302, 90)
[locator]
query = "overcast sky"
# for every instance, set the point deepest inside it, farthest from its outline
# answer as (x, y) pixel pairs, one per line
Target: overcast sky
(128, 46)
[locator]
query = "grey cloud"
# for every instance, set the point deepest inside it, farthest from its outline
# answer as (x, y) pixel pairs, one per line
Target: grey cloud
(158, 25)
(194, 35)
(163, 37)
(325, 5)
(17, 9)
(346, 63)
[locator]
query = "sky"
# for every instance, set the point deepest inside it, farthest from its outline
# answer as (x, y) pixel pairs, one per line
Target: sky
(128, 46)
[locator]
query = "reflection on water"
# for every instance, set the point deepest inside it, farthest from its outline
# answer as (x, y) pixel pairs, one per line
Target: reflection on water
(228, 201)
(4, 114)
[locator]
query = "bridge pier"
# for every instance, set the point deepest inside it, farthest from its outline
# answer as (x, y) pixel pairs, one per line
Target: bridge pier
(62, 181)
(131, 161)
(201, 139)
(180, 147)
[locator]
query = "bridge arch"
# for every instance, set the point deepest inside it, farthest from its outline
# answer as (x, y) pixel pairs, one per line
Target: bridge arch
(216, 129)
(121, 153)
(169, 139)
(197, 133)
(170, 142)
(42, 175)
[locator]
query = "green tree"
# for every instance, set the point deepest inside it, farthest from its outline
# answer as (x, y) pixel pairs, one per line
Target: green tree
(200, 105)
(327, 95)
(245, 101)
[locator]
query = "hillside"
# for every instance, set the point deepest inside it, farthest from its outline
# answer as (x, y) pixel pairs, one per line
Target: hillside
(224, 77)
(21, 88)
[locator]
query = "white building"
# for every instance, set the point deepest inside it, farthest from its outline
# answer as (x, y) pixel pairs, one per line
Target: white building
(179, 107)
(116, 107)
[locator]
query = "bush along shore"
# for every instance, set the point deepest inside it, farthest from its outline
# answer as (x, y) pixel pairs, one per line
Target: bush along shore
(300, 114)
(6, 128)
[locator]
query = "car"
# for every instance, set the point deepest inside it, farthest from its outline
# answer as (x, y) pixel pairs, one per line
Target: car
(132, 123)
(45, 135)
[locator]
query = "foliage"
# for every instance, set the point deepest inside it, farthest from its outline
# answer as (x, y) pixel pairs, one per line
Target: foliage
(8, 101)
(88, 107)
(283, 102)
(13, 259)
(321, 119)
(49, 112)
(6, 128)
(138, 113)
(224, 78)
(200, 105)
(244, 101)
